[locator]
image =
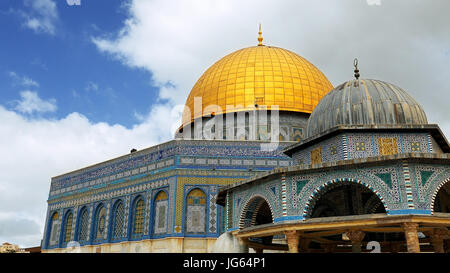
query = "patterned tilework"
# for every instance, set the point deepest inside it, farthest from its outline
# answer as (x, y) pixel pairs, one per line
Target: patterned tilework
(153, 160)
(361, 145)
(345, 147)
(388, 182)
(316, 155)
(213, 211)
(161, 210)
(126, 217)
(387, 145)
(195, 214)
(436, 191)
(283, 195)
(331, 150)
(408, 189)
(108, 219)
(181, 181)
(147, 213)
(113, 192)
(228, 212)
(428, 179)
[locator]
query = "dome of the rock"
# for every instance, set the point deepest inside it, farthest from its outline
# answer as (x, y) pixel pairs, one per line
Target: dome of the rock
(262, 75)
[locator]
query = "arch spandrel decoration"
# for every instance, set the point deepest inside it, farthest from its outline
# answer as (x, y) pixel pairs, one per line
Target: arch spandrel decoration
(433, 185)
(270, 191)
(313, 183)
(307, 210)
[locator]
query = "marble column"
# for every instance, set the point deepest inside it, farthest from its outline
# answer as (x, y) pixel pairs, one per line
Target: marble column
(437, 239)
(412, 239)
(293, 238)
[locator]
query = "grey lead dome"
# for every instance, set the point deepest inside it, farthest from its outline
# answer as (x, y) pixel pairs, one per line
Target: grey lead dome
(365, 102)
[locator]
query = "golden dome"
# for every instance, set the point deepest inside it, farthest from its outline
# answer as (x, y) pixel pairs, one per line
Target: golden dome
(262, 75)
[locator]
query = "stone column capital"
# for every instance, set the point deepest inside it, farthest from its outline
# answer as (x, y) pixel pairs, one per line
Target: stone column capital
(293, 237)
(355, 235)
(292, 233)
(408, 226)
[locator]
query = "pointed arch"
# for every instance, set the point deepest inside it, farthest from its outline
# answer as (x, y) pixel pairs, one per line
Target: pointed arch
(195, 212)
(160, 213)
(118, 218)
(137, 219)
(319, 191)
(439, 189)
(67, 227)
(99, 225)
(83, 226)
(52, 233)
(252, 208)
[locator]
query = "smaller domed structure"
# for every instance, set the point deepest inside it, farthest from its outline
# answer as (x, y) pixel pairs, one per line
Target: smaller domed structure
(365, 102)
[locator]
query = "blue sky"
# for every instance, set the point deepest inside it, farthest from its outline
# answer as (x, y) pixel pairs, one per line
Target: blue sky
(83, 84)
(68, 67)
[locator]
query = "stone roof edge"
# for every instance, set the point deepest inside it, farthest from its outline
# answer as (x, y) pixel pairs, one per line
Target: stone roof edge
(434, 128)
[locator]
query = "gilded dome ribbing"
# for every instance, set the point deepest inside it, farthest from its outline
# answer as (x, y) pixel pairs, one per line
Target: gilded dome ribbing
(262, 75)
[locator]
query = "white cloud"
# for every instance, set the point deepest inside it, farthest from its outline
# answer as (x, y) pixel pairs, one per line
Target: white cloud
(22, 80)
(40, 16)
(34, 150)
(31, 103)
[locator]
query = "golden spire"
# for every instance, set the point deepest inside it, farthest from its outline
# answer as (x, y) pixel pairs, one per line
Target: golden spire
(260, 38)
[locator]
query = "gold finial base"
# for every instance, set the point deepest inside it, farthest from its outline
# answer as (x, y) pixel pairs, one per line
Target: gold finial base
(260, 38)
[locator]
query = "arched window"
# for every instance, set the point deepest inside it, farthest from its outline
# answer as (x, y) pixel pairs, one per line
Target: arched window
(138, 217)
(68, 227)
(195, 212)
(54, 222)
(83, 227)
(118, 219)
(100, 223)
(160, 220)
